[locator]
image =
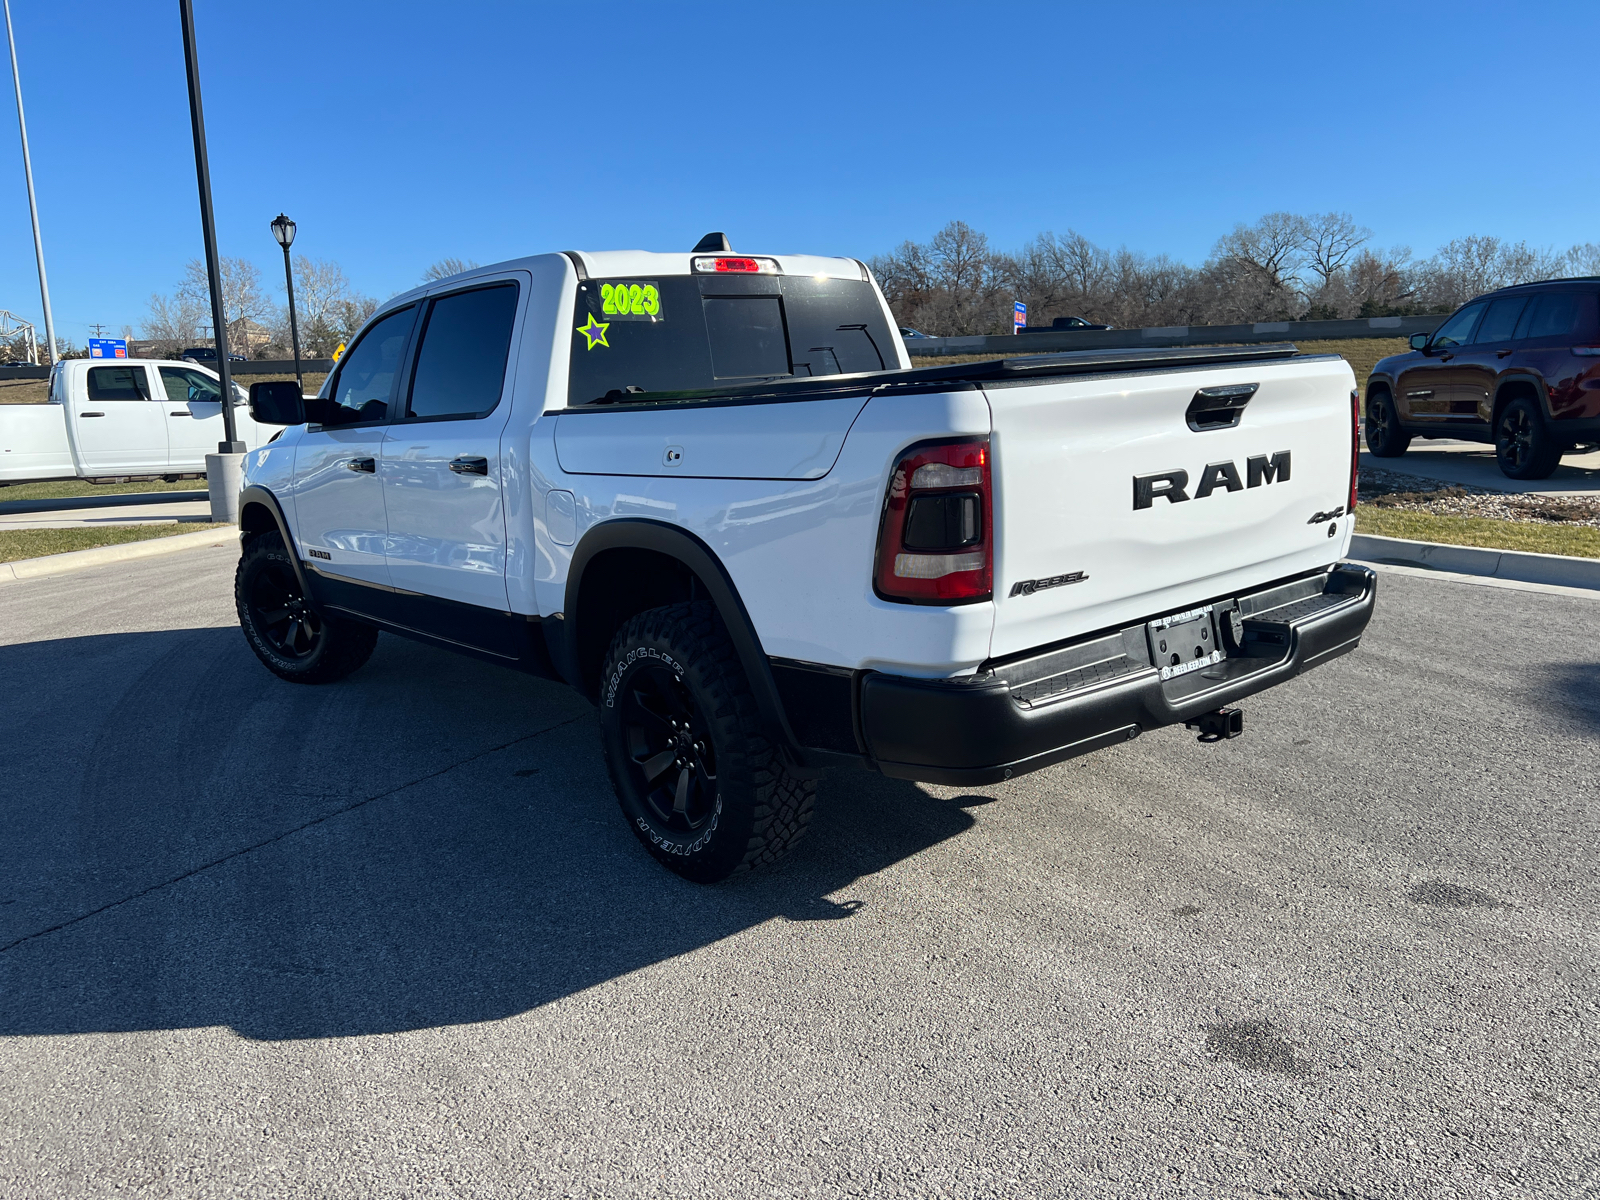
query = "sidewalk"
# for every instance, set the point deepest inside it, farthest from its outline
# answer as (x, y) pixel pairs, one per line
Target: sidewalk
(1472, 464)
(122, 514)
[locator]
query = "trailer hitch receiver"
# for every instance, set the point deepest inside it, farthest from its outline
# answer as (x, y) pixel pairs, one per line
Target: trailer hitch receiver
(1215, 726)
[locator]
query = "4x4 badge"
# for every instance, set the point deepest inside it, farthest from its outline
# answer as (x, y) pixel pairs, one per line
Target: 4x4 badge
(1028, 587)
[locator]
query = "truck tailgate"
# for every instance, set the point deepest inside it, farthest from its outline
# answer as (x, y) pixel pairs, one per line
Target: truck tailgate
(1084, 545)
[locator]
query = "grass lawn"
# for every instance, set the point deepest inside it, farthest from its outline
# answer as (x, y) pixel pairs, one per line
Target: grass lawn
(24, 391)
(61, 489)
(17, 544)
(1581, 541)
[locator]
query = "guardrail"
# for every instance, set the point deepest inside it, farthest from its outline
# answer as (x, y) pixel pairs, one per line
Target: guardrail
(254, 366)
(1175, 335)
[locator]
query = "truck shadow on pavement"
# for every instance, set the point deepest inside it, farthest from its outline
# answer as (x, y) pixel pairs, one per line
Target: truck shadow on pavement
(192, 842)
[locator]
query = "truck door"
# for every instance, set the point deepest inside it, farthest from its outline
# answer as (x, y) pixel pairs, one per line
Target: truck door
(338, 499)
(193, 414)
(441, 466)
(117, 423)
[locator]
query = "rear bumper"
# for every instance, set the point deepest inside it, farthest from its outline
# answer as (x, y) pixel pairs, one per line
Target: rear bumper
(1029, 712)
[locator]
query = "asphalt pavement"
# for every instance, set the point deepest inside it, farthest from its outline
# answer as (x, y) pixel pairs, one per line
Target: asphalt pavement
(391, 937)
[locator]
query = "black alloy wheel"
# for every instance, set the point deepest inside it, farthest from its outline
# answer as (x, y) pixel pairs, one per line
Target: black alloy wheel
(671, 757)
(1522, 444)
(281, 614)
(290, 637)
(700, 782)
(1385, 438)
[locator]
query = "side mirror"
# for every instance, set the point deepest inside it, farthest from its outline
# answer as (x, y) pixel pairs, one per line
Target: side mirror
(277, 403)
(1419, 341)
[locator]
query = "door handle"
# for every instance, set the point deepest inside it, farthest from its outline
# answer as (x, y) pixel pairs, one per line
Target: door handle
(1502, 353)
(365, 465)
(469, 465)
(183, 412)
(91, 414)
(1446, 357)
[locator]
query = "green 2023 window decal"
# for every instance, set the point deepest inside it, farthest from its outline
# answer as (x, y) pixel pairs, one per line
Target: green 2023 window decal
(631, 300)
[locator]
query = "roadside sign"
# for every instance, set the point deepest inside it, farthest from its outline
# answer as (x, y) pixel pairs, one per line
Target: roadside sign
(108, 348)
(1020, 317)
(338, 353)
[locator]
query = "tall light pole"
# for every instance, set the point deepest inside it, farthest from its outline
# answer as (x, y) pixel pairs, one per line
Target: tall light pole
(33, 206)
(230, 443)
(283, 230)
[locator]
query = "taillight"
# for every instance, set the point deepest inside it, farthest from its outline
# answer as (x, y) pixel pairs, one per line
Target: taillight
(936, 542)
(1355, 445)
(722, 265)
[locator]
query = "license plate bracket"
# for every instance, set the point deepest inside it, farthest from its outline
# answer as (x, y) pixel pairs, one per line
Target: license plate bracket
(1184, 642)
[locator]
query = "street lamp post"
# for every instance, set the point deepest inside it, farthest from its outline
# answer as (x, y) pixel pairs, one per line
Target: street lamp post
(208, 227)
(283, 230)
(33, 206)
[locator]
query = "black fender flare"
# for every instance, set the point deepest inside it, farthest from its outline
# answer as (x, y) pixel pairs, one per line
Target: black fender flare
(632, 533)
(256, 494)
(1533, 380)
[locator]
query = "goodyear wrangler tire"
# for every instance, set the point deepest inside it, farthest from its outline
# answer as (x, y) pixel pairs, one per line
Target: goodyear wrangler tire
(698, 780)
(293, 642)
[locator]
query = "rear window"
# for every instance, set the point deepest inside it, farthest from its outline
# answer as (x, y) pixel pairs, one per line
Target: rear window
(691, 333)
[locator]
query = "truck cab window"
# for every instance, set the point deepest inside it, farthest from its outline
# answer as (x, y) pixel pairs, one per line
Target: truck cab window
(365, 382)
(118, 383)
(184, 386)
(461, 363)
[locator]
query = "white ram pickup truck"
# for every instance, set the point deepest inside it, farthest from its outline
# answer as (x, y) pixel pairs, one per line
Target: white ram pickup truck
(131, 418)
(710, 492)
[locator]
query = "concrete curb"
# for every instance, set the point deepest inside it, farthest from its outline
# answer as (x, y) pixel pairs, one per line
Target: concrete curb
(1555, 569)
(76, 560)
(117, 500)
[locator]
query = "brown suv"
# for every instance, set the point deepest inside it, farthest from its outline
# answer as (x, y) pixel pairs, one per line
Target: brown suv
(1519, 367)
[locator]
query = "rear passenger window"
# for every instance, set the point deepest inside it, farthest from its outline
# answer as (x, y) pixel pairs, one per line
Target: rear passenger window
(1501, 320)
(461, 364)
(118, 383)
(366, 377)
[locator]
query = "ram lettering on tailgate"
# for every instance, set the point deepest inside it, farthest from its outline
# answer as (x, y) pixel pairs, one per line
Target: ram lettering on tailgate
(1259, 469)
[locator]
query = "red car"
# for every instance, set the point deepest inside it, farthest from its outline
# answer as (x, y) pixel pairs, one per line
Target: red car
(1519, 368)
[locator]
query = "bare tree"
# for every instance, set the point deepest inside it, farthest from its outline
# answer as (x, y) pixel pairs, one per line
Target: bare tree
(447, 267)
(1273, 249)
(174, 322)
(1328, 241)
(951, 285)
(244, 304)
(329, 310)
(1584, 259)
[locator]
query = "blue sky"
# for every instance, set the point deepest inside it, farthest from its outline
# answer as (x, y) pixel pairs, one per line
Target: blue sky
(399, 133)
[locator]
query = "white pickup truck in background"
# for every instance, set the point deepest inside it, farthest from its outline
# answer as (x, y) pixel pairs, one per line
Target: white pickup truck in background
(139, 417)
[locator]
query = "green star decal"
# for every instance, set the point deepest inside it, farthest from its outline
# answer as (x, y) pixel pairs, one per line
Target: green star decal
(595, 331)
